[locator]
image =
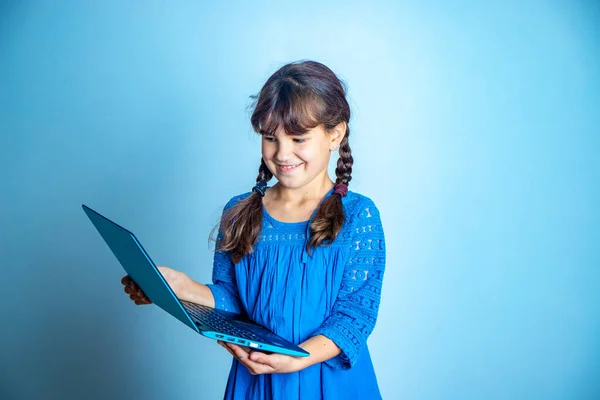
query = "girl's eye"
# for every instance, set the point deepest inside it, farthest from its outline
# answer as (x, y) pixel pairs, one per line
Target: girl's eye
(273, 138)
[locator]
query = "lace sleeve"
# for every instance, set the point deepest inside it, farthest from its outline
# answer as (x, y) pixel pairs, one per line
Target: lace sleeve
(224, 286)
(355, 311)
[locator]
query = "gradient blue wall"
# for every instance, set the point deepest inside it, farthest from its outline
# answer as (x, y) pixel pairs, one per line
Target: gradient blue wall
(475, 130)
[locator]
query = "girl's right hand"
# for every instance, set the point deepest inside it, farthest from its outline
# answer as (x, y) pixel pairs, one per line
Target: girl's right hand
(178, 281)
(133, 290)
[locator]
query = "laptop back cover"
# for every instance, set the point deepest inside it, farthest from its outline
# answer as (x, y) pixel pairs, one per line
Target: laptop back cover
(138, 265)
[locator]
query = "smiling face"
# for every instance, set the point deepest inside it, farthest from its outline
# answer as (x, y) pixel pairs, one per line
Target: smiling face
(300, 160)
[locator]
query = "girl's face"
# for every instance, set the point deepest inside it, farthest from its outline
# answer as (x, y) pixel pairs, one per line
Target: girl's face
(298, 160)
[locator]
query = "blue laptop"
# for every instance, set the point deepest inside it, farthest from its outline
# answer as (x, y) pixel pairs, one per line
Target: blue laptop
(210, 322)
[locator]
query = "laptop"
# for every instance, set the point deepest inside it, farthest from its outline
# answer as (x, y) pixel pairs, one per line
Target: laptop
(210, 322)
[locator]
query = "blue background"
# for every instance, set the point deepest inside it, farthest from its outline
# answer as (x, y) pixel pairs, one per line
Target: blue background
(474, 129)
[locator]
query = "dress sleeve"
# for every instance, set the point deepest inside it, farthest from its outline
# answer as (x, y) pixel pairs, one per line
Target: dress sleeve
(354, 313)
(224, 286)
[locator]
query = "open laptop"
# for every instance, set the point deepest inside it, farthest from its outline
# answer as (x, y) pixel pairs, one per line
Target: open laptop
(210, 322)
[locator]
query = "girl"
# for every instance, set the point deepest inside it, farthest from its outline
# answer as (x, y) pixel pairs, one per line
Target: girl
(305, 258)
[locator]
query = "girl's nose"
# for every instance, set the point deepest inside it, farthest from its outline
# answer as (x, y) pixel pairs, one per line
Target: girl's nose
(284, 152)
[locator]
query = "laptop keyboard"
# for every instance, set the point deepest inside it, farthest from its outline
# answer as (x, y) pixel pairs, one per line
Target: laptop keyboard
(217, 322)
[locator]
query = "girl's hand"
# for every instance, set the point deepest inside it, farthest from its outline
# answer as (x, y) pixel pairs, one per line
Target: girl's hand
(176, 279)
(258, 362)
(133, 290)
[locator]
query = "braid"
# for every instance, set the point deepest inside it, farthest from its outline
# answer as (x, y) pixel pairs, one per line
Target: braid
(264, 174)
(330, 217)
(344, 164)
(242, 222)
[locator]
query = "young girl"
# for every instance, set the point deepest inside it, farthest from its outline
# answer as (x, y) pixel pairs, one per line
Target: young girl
(305, 258)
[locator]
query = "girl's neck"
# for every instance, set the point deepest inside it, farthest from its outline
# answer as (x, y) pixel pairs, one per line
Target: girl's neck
(307, 193)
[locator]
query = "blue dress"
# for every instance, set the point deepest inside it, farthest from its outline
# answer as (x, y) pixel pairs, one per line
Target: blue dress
(334, 292)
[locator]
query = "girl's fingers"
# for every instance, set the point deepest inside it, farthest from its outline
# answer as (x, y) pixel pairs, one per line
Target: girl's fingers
(235, 350)
(140, 299)
(129, 284)
(244, 358)
(132, 289)
(135, 293)
(239, 352)
(253, 366)
(228, 349)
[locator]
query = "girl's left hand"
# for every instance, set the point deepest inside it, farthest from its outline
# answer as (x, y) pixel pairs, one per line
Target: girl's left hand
(258, 362)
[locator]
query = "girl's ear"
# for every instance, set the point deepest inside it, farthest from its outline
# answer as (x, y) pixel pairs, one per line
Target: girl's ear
(337, 134)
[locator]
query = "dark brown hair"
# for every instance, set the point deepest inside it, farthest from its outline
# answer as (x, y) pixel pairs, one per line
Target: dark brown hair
(299, 96)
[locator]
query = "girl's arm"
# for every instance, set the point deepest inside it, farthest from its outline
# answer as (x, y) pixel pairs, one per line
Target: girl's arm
(222, 289)
(354, 313)
(186, 288)
(198, 293)
(320, 348)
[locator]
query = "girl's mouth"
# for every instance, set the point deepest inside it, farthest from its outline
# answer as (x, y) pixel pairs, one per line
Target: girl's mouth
(288, 168)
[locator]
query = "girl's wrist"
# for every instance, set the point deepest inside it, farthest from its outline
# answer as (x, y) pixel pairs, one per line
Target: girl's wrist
(302, 362)
(196, 292)
(183, 288)
(321, 349)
